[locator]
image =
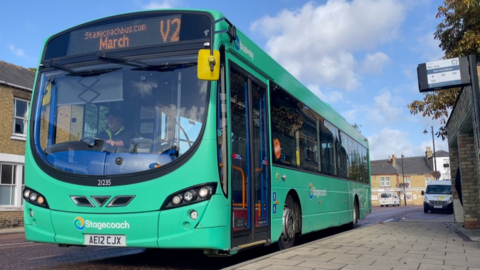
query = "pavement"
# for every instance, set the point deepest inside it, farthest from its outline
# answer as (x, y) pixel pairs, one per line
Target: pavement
(407, 244)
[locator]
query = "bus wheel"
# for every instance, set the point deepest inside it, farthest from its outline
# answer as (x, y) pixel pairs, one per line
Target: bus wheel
(289, 224)
(354, 223)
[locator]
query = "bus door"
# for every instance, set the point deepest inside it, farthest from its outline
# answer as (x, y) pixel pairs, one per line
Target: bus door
(249, 159)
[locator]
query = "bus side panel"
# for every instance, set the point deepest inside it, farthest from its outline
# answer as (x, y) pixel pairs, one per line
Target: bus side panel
(278, 201)
(320, 197)
(209, 231)
(362, 191)
(39, 227)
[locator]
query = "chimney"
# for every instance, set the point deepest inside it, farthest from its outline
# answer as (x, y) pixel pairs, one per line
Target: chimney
(394, 161)
(429, 152)
(428, 155)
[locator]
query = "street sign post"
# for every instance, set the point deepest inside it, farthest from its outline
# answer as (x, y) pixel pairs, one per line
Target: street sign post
(443, 74)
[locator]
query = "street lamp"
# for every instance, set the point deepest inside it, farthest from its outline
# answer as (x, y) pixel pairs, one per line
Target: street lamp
(404, 191)
(433, 141)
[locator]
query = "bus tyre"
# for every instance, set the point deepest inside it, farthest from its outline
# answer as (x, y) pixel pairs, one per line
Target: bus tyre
(354, 223)
(289, 224)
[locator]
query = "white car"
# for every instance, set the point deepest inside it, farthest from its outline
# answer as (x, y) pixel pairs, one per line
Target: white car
(389, 198)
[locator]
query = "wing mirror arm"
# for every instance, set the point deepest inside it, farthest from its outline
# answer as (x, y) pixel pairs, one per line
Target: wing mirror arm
(232, 32)
(208, 60)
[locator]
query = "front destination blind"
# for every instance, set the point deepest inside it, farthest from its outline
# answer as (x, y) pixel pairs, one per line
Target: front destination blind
(130, 32)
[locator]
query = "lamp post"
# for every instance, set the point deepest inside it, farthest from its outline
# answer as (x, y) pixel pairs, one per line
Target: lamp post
(433, 141)
(404, 191)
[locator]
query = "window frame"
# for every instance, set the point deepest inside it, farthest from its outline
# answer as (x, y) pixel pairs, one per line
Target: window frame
(408, 180)
(384, 180)
(15, 135)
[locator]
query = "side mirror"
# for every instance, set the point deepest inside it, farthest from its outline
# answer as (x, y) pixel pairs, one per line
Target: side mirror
(208, 66)
(423, 193)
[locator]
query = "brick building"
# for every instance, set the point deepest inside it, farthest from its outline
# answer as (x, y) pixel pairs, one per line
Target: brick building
(464, 154)
(389, 175)
(15, 93)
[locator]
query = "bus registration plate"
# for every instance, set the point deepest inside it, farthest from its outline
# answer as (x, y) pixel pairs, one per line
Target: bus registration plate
(105, 240)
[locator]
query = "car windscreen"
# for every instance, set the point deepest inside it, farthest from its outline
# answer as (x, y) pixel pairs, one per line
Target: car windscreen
(439, 189)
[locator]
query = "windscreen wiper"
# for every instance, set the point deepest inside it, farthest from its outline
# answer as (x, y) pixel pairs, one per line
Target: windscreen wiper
(113, 59)
(83, 73)
(167, 66)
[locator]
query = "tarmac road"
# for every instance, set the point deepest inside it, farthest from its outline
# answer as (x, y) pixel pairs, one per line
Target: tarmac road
(17, 253)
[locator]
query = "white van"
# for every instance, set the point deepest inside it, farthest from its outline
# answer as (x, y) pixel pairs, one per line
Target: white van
(389, 198)
(438, 197)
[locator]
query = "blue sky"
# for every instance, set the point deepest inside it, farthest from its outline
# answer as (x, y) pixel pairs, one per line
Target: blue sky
(360, 56)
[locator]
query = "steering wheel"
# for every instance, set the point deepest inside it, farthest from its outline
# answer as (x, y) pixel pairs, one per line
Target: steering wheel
(91, 141)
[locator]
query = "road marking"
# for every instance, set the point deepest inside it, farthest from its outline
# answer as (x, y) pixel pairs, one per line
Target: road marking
(388, 220)
(36, 258)
(22, 243)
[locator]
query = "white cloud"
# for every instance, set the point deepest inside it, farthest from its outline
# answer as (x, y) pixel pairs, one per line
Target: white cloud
(330, 97)
(17, 51)
(384, 111)
(160, 4)
(429, 47)
(316, 42)
(374, 63)
(390, 142)
(350, 116)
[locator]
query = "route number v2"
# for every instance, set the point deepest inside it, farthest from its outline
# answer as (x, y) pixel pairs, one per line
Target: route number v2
(166, 32)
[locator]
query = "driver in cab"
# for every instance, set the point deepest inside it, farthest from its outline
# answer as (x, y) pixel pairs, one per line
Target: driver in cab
(115, 134)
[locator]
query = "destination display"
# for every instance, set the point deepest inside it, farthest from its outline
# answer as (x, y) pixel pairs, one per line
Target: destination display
(130, 31)
(127, 34)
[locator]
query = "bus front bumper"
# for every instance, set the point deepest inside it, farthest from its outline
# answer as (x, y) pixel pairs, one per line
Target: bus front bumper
(159, 229)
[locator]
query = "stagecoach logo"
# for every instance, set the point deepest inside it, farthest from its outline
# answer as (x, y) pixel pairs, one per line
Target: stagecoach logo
(80, 224)
(240, 46)
(316, 192)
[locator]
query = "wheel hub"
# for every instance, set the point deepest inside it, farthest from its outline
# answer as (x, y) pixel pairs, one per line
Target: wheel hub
(288, 223)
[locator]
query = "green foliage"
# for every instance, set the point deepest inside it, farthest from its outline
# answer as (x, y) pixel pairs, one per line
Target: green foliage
(459, 35)
(357, 127)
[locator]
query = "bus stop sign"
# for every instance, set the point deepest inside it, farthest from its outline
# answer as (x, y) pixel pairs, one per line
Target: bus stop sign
(443, 74)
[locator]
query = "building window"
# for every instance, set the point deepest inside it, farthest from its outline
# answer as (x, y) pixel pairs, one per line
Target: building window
(446, 163)
(408, 182)
(20, 117)
(385, 181)
(7, 184)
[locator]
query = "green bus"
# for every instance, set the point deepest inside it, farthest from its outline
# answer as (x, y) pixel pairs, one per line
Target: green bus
(171, 129)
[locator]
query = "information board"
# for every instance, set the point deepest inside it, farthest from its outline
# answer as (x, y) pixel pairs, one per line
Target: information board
(443, 74)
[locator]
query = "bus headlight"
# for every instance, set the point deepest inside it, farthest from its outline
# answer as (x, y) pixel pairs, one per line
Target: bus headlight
(205, 191)
(34, 197)
(177, 199)
(189, 196)
(193, 214)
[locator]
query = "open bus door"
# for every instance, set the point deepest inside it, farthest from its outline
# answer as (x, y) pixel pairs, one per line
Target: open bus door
(250, 165)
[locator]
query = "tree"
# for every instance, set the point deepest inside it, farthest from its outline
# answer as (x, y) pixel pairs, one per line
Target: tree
(459, 35)
(357, 127)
